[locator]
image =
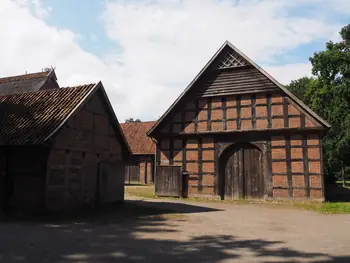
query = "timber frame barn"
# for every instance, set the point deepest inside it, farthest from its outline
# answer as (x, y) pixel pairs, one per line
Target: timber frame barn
(241, 134)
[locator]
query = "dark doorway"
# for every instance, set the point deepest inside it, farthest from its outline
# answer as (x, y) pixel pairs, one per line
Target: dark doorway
(241, 172)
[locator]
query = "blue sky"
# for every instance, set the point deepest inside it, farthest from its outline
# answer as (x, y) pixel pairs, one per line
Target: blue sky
(147, 51)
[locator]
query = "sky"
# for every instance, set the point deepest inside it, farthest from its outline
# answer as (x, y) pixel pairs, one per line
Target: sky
(146, 52)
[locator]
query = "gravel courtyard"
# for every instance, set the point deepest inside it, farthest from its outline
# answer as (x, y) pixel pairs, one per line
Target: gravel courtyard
(173, 231)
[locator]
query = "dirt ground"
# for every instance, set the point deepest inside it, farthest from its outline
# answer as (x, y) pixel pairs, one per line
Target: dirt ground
(172, 231)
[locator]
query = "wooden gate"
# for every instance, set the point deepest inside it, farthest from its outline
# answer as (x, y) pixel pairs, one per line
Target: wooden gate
(242, 172)
(111, 182)
(168, 181)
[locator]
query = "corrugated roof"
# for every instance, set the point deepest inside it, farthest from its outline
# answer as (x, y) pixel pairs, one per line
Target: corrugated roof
(136, 135)
(25, 83)
(29, 118)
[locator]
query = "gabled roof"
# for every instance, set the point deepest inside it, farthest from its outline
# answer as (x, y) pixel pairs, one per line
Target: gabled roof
(33, 118)
(222, 59)
(136, 135)
(26, 83)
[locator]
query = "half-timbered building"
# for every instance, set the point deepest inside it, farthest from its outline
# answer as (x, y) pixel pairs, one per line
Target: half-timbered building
(60, 149)
(241, 134)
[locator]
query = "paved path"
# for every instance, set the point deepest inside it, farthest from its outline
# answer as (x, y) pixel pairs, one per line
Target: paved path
(150, 231)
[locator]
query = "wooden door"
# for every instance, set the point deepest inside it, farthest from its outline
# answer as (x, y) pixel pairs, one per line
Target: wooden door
(243, 172)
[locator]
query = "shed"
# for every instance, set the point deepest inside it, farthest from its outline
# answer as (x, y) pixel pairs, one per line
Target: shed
(141, 166)
(240, 134)
(60, 149)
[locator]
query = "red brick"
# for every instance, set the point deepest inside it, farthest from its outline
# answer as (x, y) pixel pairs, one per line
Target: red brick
(231, 101)
(203, 115)
(246, 100)
(231, 125)
(189, 127)
(313, 140)
(261, 99)
(315, 181)
(208, 179)
(299, 193)
(315, 167)
(246, 112)
(298, 181)
(193, 190)
(178, 156)
(276, 99)
(297, 153)
(261, 111)
(261, 124)
(278, 153)
(192, 144)
(246, 125)
(208, 167)
(294, 122)
(231, 113)
(207, 143)
(208, 155)
(278, 141)
(279, 167)
(313, 153)
(297, 167)
(164, 157)
(316, 193)
(216, 102)
(207, 190)
(280, 181)
(202, 126)
(192, 155)
(280, 193)
(292, 110)
(309, 123)
(192, 168)
(277, 123)
(217, 126)
(277, 110)
(216, 115)
(296, 141)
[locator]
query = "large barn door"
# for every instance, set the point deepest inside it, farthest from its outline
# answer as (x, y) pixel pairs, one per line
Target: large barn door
(242, 173)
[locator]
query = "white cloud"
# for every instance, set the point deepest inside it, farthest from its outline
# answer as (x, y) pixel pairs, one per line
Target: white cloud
(164, 44)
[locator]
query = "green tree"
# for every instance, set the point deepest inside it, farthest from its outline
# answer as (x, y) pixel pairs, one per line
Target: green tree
(328, 94)
(132, 120)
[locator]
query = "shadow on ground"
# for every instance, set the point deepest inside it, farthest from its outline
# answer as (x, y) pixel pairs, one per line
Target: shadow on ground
(132, 232)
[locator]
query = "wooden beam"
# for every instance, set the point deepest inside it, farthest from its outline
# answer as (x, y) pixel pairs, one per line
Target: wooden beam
(306, 166)
(289, 167)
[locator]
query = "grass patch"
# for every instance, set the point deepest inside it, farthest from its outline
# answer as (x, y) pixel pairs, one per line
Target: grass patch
(147, 191)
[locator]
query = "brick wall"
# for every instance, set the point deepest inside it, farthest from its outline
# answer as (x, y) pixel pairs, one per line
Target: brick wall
(86, 140)
(299, 176)
(247, 112)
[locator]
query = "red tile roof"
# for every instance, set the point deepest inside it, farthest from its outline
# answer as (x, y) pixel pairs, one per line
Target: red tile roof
(29, 76)
(135, 133)
(29, 118)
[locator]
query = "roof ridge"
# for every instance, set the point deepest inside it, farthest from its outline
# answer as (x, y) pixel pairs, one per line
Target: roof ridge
(33, 75)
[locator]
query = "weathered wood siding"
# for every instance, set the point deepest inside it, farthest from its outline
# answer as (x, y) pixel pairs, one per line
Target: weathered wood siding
(141, 169)
(168, 181)
(85, 141)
